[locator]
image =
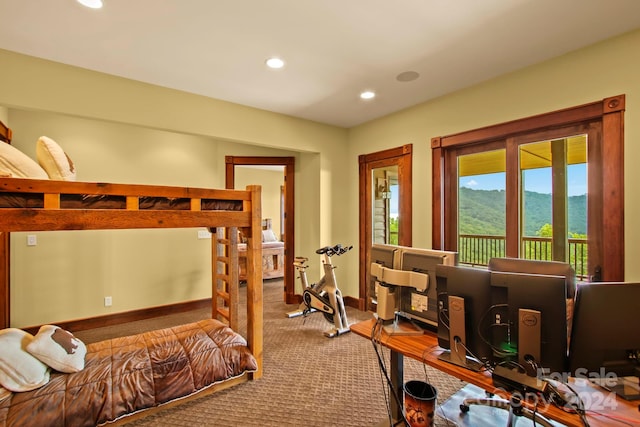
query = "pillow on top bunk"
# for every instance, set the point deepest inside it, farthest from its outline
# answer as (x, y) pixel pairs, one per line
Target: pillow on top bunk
(54, 160)
(269, 236)
(15, 163)
(58, 348)
(20, 371)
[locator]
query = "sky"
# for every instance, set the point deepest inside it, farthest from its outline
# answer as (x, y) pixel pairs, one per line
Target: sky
(536, 180)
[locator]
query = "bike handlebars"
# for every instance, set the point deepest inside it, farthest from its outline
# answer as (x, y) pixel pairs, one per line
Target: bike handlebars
(334, 250)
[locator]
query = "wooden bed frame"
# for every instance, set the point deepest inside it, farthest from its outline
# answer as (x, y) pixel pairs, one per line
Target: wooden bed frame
(272, 256)
(224, 224)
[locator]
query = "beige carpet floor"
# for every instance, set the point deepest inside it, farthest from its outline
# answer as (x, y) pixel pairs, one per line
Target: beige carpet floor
(309, 379)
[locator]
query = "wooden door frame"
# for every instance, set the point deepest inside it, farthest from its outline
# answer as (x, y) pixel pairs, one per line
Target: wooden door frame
(401, 157)
(5, 314)
(289, 210)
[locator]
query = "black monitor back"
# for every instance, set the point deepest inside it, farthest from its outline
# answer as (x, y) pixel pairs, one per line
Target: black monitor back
(540, 292)
(474, 285)
(530, 266)
(605, 329)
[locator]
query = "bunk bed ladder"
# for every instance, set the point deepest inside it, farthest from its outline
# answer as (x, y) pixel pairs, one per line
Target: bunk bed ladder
(224, 250)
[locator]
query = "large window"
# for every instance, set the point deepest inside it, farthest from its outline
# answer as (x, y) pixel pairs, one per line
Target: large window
(547, 187)
(552, 191)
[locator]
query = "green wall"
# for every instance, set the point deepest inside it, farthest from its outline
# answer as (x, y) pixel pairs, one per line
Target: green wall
(587, 75)
(326, 157)
(117, 130)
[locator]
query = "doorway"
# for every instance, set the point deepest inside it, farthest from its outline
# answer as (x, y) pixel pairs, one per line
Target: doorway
(385, 208)
(286, 214)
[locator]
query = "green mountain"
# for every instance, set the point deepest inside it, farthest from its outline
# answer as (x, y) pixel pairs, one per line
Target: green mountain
(483, 212)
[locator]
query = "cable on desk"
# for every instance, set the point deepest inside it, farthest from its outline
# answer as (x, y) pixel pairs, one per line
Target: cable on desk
(497, 350)
(534, 412)
(486, 365)
(443, 320)
(443, 313)
(575, 406)
(383, 370)
(443, 415)
(376, 333)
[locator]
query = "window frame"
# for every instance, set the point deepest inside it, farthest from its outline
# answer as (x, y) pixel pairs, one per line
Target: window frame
(606, 116)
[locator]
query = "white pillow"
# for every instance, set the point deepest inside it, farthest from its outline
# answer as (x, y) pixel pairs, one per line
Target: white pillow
(20, 371)
(269, 236)
(58, 348)
(15, 163)
(54, 160)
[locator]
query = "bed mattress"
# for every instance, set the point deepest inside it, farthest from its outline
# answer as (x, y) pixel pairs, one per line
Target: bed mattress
(123, 376)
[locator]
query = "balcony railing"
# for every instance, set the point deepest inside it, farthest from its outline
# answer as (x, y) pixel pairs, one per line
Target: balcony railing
(477, 250)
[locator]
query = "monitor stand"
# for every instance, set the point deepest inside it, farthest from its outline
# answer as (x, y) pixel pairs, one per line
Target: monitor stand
(402, 326)
(457, 337)
(529, 339)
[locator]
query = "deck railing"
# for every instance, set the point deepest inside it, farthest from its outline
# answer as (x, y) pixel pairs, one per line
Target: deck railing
(477, 250)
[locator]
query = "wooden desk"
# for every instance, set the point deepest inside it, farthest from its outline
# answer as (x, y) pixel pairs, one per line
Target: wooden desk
(424, 348)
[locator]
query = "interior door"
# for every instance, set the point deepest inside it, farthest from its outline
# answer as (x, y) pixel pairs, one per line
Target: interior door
(385, 208)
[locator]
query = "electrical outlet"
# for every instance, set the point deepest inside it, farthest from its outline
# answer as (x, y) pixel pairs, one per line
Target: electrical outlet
(204, 234)
(108, 301)
(32, 240)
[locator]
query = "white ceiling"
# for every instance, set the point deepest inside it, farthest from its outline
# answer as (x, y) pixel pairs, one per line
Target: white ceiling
(333, 49)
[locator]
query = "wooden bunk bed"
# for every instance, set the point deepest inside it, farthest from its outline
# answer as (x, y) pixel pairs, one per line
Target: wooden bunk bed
(46, 205)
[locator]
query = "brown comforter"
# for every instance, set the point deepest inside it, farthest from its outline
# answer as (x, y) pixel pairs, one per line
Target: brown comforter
(126, 375)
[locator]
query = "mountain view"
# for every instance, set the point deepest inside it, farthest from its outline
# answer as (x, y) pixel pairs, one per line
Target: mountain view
(483, 212)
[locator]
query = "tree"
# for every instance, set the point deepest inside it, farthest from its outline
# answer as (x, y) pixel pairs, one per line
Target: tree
(545, 231)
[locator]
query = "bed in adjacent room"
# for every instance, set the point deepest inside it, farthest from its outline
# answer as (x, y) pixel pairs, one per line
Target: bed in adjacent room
(272, 253)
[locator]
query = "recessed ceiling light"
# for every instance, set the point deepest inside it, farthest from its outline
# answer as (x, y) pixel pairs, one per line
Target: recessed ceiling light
(368, 94)
(274, 63)
(93, 4)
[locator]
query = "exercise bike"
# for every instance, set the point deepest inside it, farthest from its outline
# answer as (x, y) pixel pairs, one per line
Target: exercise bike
(323, 296)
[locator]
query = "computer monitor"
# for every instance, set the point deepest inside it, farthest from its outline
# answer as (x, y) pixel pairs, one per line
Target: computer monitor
(605, 341)
(422, 306)
(464, 301)
(385, 256)
(530, 266)
(530, 321)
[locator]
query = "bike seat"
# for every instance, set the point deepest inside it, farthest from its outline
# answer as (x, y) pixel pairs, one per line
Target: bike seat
(334, 250)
